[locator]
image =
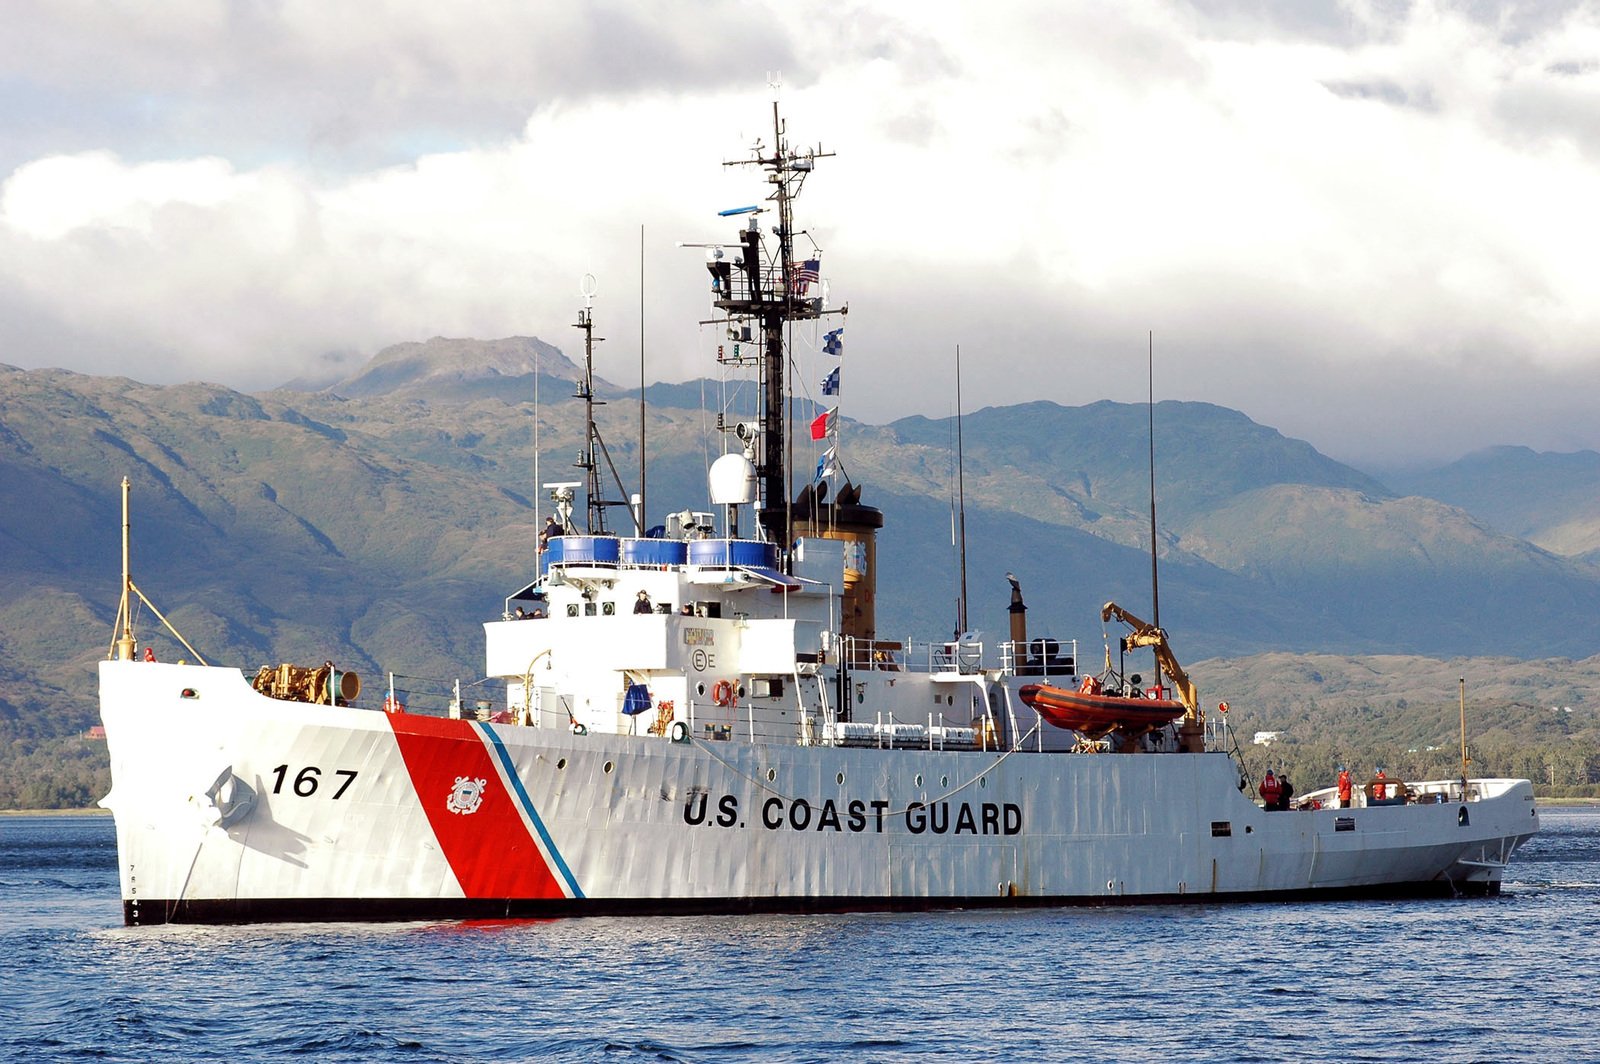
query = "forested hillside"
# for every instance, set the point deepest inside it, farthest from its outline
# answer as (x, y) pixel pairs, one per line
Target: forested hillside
(380, 522)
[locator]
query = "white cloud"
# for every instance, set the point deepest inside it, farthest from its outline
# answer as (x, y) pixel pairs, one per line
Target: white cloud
(1332, 214)
(50, 198)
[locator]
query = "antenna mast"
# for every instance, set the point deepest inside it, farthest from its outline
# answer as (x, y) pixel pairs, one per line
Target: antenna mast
(961, 496)
(640, 518)
(125, 642)
(596, 519)
(761, 287)
(594, 447)
(1155, 584)
(768, 292)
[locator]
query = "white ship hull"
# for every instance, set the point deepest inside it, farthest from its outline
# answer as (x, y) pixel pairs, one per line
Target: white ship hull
(357, 814)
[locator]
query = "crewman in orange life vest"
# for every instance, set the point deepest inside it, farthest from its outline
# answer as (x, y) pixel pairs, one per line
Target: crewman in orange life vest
(1270, 790)
(1344, 787)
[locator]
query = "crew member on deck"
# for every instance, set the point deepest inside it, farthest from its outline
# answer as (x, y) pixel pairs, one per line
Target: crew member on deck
(642, 603)
(1269, 790)
(1344, 787)
(552, 529)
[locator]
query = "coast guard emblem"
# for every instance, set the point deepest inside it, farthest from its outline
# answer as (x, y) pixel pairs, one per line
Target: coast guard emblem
(466, 795)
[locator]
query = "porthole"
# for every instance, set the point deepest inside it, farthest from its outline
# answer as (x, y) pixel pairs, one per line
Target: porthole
(772, 774)
(983, 781)
(700, 689)
(740, 691)
(840, 778)
(944, 781)
(608, 767)
(561, 764)
(917, 780)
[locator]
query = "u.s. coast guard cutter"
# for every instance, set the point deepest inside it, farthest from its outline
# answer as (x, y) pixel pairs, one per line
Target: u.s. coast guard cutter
(706, 721)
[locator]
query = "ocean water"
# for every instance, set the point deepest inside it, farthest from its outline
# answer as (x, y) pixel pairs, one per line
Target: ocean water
(1495, 979)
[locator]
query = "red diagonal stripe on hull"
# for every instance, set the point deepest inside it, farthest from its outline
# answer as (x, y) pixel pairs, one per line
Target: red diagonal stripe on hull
(489, 850)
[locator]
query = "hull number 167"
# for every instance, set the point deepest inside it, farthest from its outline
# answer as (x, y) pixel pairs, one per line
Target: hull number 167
(307, 780)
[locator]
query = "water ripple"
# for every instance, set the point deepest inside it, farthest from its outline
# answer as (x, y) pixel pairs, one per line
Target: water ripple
(1489, 979)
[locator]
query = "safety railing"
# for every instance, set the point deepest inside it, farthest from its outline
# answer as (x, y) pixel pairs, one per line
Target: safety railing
(912, 655)
(1039, 657)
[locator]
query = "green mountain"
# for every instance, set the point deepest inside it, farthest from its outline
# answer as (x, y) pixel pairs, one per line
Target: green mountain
(441, 369)
(380, 521)
(1550, 499)
(1100, 454)
(1264, 541)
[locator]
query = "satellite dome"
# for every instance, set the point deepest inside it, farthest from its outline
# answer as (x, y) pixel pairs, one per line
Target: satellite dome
(732, 480)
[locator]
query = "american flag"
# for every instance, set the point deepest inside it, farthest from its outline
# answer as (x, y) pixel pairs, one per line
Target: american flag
(802, 276)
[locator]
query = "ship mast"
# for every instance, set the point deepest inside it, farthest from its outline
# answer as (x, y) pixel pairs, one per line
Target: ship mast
(125, 644)
(594, 446)
(761, 288)
(1155, 582)
(768, 293)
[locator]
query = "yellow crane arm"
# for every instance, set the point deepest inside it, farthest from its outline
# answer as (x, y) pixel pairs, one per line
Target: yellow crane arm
(1148, 635)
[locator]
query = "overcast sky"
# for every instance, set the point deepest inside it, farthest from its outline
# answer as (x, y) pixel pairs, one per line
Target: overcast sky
(1373, 224)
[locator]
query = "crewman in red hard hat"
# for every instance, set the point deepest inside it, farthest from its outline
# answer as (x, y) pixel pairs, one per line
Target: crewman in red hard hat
(1344, 787)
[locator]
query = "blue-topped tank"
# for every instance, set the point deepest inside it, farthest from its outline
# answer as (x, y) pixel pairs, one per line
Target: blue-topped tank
(733, 553)
(654, 552)
(584, 550)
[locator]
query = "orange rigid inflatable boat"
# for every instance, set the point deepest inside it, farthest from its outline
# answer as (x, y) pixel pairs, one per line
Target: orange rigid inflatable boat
(1091, 713)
